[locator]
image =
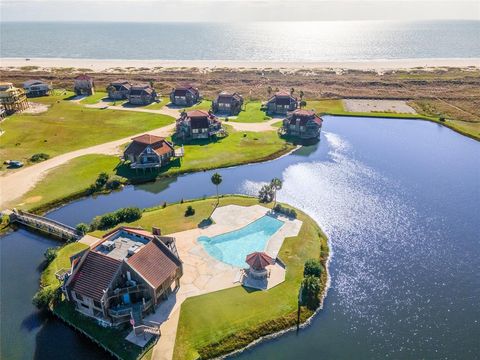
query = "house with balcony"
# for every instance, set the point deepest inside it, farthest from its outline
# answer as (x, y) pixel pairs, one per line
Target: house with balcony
(281, 103)
(197, 124)
(36, 88)
(83, 85)
(124, 276)
(184, 96)
(141, 94)
(119, 90)
(13, 99)
(303, 124)
(228, 103)
(149, 152)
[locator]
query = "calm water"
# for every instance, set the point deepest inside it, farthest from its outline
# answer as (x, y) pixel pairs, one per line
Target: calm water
(400, 202)
(282, 41)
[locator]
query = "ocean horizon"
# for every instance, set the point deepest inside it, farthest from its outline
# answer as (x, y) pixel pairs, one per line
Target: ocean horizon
(323, 41)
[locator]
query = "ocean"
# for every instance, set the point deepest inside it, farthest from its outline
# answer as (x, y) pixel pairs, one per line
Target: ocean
(255, 41)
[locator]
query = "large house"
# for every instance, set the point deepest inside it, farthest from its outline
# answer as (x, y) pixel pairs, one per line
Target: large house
(281, 103)
(184, 96)
(83, 85)
(228, 103)
(141, 94)
(304, 124)
(34, 88)
(148, 151)
(12, 98)
(119, 90)
(197, 124)
(124, 276)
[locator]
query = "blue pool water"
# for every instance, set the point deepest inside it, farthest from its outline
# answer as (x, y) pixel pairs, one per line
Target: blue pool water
(233, 247)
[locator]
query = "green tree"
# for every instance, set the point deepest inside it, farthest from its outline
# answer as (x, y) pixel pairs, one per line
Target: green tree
(50, 254)
(101, 180)
(217, 180)
(275, 184)
(265, 195)
(82, 228)
(313, 267)
(311, 292)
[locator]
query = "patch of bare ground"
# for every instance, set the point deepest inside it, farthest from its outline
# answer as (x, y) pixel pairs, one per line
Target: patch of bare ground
(35, 108)
(373, 105)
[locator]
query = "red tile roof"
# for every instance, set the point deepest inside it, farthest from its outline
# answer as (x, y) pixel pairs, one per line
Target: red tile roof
(258, 260)
(304, 116)
(155, 263)
(197, 113)
(94, 275)
(148, 139)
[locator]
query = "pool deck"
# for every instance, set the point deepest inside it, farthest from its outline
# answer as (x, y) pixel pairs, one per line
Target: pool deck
(203, 273)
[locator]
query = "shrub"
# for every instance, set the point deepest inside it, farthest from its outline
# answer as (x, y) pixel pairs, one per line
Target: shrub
(313, 267)
(190, 211)
(164, 205)
(109, 220)
(44, 297)
(310, 292)
(101, 180)
(265, 195)
(82, 228)
(50, 254)
(114, 183)
(39, 157)
(303, 103)
(291, 213)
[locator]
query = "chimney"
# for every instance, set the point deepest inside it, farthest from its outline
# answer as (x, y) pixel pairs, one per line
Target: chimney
(156, 231)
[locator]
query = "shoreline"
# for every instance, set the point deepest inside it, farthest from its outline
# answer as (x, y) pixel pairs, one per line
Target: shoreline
(97, 65)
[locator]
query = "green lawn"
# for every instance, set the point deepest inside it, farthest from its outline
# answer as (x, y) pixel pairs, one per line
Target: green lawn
(67, 126)
(158, 105)
(74, 177)
(252, 113)
(95, 98)
(203, 105)
(62, 261)
(69, 179)
(325, 106)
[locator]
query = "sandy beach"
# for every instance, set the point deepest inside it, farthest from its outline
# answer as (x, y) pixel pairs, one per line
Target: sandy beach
(97, 65)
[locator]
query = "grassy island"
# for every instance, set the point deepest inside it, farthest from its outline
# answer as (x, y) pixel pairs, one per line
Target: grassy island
(220, 322)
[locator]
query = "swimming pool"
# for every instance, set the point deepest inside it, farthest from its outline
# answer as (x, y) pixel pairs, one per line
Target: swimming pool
(233, 247)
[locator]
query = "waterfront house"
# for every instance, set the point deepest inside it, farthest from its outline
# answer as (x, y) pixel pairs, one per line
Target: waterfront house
(281, 103)
(304, 124)
(228, 103)
(141, 94)
(83, 85)
(124, 276)
(148, 151)
(119, 90)
(12, 98)
(3, 113)
(35, 88)
(197, 124)
(184, 96)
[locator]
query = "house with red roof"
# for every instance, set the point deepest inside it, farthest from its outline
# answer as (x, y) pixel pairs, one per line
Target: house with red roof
(148, 152)
(228, 103)
(197, 124)
(281, 102)
(83, 85)
(186, 95)
(141, 94)
(303, 124)
(123, 277)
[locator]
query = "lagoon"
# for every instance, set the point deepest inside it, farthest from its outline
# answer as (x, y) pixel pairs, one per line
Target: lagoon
(399, 201)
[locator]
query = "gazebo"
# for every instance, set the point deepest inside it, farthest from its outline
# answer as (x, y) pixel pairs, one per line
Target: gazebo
(258, 262)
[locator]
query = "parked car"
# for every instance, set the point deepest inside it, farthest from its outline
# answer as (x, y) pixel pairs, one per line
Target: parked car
(14, 163)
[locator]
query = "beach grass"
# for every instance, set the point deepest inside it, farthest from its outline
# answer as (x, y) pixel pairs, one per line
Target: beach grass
(67, 126)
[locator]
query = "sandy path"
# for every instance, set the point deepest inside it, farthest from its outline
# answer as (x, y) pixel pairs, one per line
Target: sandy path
(16, 184)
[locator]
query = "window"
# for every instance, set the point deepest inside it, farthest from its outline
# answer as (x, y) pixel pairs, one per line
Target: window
(79, 297)
(97, 304)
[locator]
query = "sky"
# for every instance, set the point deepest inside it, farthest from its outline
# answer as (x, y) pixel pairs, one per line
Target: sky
(236, 10)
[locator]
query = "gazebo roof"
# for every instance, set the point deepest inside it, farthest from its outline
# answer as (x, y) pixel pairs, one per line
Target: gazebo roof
(258, 260)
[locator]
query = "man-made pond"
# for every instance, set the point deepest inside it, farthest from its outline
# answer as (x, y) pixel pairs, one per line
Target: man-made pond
(400, 202)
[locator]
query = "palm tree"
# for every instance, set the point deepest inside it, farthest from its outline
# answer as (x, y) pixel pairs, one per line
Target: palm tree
(269, 90)
(275, 184)
(301, 94)
(292, 90)
(217, 180)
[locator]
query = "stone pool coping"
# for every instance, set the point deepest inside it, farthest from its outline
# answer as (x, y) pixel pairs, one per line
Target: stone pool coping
(203, 273)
